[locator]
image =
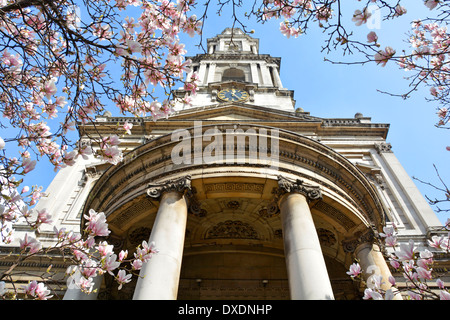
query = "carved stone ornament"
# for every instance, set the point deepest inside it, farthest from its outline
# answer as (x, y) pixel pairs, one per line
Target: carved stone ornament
(383, 147)
(285, 186)
(181, 185)
(297, 186)
(360, 238)
(232, 230)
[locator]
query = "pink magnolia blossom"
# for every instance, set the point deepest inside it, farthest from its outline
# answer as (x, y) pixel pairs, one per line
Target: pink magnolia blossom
(37, 290)
(123, 255)
(442, 113)
(370, 294)
(440, 284)
(444, 295)
(361, 17)
(112, 155)
(85, 284)
(96, 224)
(127, 127)
(134, 46)
(431, 4)
(122, 278)
(382, 57)
(414, 295)
(407, 251)
(355, 270)
(105, 249)
(89, 269)
(137, 264)
(44, 217)
(424, 273)
(49, 89)
(28, 165)
(109, 263)
(30, 243)
(372, 37)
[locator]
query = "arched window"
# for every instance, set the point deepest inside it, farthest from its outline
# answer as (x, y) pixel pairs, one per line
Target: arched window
(233, 74)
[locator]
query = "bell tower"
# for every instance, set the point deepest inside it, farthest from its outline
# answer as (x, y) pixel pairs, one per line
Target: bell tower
(234, 71)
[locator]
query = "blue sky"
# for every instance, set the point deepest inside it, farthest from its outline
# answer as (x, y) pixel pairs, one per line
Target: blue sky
(340, 91)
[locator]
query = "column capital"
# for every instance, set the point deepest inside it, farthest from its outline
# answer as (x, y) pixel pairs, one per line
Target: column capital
(181, 185)
(362, 239)
(286, 186)
(298, 186)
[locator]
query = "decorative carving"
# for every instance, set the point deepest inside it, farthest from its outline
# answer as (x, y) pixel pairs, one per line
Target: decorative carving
(326, 237)
(194, 204)
(383, 147)
(332, 212)
(278, 234)
(233, 205)
(298, 186)
(132, 211)
(181, 185)
(285, 186)
(138, 235)
(360, 238)
(232, 230)
(234, 186)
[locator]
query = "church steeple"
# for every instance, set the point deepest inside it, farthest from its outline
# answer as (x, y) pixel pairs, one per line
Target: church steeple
(233, 61)
(233, 41)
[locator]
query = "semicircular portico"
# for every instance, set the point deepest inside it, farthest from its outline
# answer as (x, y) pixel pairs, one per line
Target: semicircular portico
(235, 175)
(258, 157)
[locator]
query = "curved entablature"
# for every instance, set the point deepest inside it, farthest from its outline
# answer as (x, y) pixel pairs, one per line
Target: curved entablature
(221, 154)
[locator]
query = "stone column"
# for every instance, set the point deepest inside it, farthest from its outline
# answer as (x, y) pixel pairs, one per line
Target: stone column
(307, 272)
(159, 277)
(372, 263)
(265, 73)
(254, 73)
(211, 73)
(276, 76)
(202, 72)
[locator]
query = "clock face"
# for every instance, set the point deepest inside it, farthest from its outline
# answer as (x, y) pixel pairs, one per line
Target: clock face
(233, 95)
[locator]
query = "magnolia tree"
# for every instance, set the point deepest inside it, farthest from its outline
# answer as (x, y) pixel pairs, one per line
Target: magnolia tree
(416, 266)
(64, 62)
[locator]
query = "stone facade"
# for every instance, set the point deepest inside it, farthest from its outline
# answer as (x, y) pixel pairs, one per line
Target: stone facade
(282, 217)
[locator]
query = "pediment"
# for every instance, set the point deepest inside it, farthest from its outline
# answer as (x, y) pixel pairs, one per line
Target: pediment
(242, 112)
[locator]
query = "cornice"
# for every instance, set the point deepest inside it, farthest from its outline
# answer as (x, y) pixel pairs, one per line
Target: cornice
(223, 57)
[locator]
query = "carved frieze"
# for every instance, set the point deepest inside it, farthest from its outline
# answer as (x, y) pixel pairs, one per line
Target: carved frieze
(234, 187)
(232, 229)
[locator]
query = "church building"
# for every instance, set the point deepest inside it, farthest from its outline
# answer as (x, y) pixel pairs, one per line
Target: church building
(245, 195)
